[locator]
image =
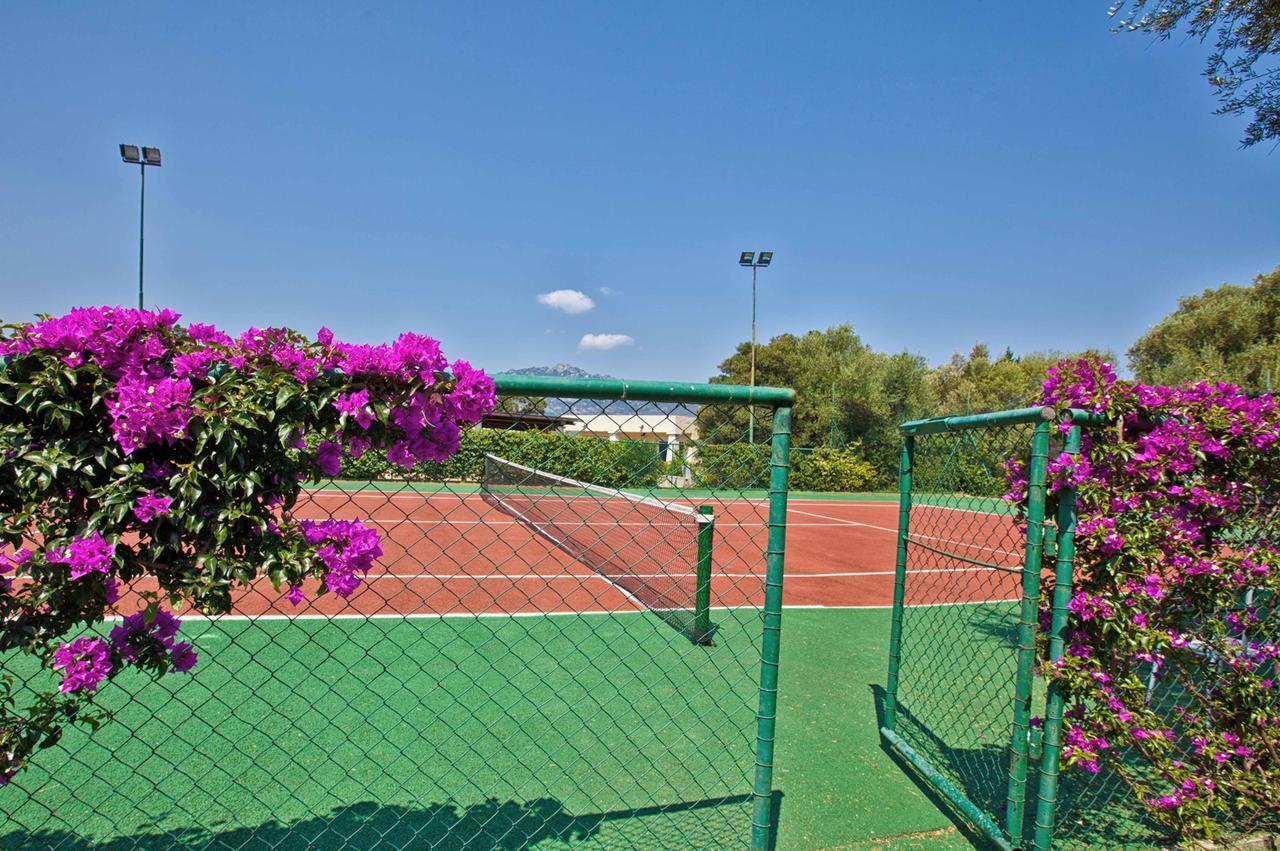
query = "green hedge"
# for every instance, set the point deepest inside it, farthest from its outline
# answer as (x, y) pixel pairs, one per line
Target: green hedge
(623, 463)
(832, 470)
(610, 463)
(745, 466)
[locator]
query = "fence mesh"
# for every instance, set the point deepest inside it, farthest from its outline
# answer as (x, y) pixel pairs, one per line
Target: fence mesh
(484, 687)
(969, 633)
(959, 623)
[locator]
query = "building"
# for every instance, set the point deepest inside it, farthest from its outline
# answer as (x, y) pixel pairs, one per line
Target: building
(671, 432)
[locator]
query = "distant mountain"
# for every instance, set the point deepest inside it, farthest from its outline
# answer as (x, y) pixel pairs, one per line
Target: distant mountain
(588, 407)
(560, 370)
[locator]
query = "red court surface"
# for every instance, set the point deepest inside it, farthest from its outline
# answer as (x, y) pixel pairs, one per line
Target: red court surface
(455, 555)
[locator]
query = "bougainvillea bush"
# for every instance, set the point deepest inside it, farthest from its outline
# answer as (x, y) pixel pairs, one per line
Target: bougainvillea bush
(1169, 670)
(148, 461)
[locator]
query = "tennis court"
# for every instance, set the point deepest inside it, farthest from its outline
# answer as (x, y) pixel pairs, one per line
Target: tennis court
(472, 656)
(449, 554)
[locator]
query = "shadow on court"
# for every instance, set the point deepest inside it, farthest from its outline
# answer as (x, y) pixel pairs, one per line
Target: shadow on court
(490, 824)
(1094, 810)
(989, 770)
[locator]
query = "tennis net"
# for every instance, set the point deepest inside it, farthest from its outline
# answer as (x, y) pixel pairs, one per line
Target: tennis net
(657, 553)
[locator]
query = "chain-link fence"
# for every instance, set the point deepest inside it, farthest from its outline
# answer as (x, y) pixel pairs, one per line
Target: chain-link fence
(980, 598)
(958, 702)
(563, 643)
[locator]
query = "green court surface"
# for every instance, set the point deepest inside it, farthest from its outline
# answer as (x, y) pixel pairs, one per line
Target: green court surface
(285, 700)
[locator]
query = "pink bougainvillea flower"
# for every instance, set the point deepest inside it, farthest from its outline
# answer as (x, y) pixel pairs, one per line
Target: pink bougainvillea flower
(84, 662)
(149, 506)
(90, 554)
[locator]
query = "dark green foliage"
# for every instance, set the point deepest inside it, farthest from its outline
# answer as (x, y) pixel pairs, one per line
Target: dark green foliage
(848, 392)
(743, 466)
(1231, 333)
(1242, 68)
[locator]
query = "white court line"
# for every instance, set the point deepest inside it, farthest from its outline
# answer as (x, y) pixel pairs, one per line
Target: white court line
(994, 550)
(844, 521)
(480, 577)
(347, 616)
(793, 498)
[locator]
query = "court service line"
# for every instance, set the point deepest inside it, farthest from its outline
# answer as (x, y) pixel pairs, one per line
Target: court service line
(353, 616)
(996, 550)
(761, 502)
(481, 577)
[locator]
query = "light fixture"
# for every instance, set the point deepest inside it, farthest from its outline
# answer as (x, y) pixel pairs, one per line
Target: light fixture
(746, 259)
(765, 258)
(141, 156)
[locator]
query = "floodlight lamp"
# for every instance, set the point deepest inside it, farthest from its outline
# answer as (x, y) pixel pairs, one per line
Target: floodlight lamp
(766, 257)
(151, 156)
(129, 153)
(746, 258)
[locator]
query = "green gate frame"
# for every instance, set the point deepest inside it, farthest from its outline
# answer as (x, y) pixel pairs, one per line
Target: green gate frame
(1013, 833)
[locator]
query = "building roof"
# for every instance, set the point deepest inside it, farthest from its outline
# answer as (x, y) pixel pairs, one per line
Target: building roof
(528, 421)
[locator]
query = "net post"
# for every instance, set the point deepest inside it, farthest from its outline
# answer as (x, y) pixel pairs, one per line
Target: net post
(1047, 798)
(766, 717)
(1037, 472)
(702, 596)
(899, 580)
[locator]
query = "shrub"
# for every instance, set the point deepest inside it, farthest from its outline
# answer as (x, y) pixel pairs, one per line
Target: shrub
(1177, 571)
(745, 466)
(833, 470)
(136, 448)
(730, 466)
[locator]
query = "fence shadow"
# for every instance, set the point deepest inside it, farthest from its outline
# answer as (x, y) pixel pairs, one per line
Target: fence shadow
(1094, 810)
(975, 837)
(490, 824)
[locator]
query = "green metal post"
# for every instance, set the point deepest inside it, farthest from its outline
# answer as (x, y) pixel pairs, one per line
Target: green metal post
(702, 596)
(899, 579)
(766, 718)
(1047, 800)
(1036, 473)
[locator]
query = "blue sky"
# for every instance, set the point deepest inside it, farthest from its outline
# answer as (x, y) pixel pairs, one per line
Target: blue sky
(934, 174)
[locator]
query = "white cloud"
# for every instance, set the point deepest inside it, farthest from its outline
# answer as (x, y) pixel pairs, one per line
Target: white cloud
(603, 342)
(570, 301)
(605, 291)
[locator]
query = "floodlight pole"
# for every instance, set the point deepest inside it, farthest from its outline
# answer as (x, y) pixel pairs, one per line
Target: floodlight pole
(142, 220)
(751, 409)
(749, 258)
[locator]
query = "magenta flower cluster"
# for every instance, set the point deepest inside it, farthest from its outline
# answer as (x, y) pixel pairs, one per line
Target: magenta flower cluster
(149, 506)
(137, 636)
(348, 549)
(174, 455)
(84, 663)
(1177, 555)
(157, 371)
(90, 554)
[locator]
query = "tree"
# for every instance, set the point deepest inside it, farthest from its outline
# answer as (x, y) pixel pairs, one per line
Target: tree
(977, 383)
(518, 405)
(1231, 333)
(873, 391)
(1242, 68)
